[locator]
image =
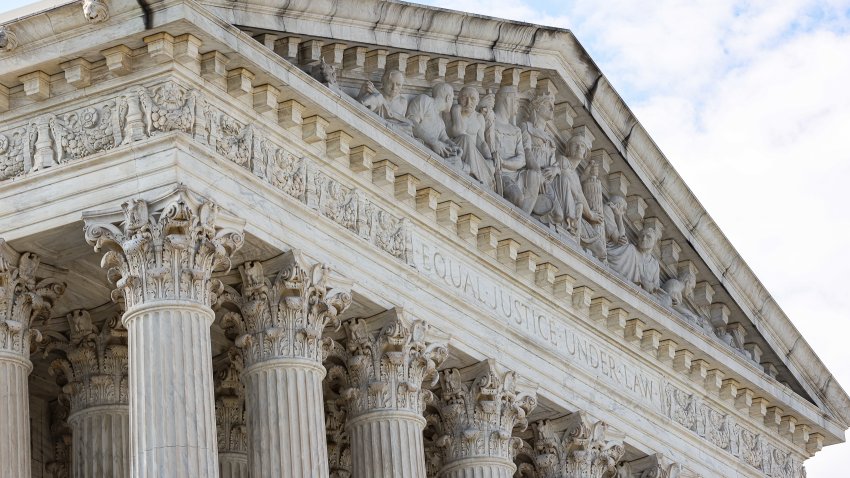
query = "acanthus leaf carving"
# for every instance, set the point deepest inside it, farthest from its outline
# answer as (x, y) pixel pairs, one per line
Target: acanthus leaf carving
(165, 252)
(26, 297)
(91, 363)
(575, 447)
(286, 317)
(85, 132)
(477, 410)
(389, 358)
(230, 405)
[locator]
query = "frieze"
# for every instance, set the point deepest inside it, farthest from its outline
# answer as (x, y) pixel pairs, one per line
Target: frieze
(520, 312)
(140, 112)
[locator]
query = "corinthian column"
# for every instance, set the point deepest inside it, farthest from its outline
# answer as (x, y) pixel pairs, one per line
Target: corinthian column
(575, 447)
(389, 358)
(161, 259)
(479, 408)
(24, 298)
(94, 365)
(282, 322)
(230, 418)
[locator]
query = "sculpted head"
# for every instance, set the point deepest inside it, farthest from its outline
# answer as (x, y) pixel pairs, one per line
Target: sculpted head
(543, 106)
(443, 95)
(649, 236)
(391, 83)
(468, 99)
(580, 143)
(506, 103)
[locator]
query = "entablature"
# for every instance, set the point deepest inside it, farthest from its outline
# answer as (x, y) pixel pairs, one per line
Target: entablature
(417, 191)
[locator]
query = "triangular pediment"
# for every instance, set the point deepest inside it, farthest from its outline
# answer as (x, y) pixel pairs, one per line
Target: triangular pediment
(613, 227)
(701, 278)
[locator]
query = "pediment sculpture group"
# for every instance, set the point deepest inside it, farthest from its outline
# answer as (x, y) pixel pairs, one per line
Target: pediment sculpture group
(522, 163)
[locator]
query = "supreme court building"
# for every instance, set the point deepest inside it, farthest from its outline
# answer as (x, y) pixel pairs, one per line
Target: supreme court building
(365, 238)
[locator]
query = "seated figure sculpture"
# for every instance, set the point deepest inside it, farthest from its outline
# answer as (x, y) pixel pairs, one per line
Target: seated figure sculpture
(636, 264)
(518, 186)
(388, 102)
(540, 160)
(569, 202)
(425, 114)
(466, 127)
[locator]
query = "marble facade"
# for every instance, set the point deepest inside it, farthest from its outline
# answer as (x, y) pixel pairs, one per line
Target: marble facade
(365, 239)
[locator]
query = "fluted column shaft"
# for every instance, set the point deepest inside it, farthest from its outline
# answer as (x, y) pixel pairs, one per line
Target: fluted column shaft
(172, 417)
(233, 465)
(15, 450)
(480, 468)
(101, 442)
(387, 444)
(286, 419)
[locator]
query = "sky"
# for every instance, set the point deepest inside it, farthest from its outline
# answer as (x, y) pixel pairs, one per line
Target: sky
(750, 102)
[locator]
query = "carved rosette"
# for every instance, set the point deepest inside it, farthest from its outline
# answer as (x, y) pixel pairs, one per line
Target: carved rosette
(388, 366)
(574, 447)
(24, 298)
(93, 365)
(479, 407)
(284, 317)
(230, 406)
(165, 255)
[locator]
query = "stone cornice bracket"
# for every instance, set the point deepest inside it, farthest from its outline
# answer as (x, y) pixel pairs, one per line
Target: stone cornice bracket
(575, 447)
(479, 407)
(230, 405)
(165, 249)
(8, 39)
(96, 11)
(25, 297)
(389, 358)
(93, 362)
(285, 317)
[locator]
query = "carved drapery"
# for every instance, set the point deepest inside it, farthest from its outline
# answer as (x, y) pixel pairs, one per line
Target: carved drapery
(477, 411)
(161, 258)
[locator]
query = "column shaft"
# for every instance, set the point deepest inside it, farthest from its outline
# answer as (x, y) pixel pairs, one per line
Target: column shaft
(286, 419)
(15, 450)
(172, 417)
(233, 465)
(387, 444)
(101, 442)
(478, 469)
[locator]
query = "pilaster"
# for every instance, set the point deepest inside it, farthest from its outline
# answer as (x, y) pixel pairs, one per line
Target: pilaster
(389, 358)
(161, 258)
(281, 326)
(25, 296)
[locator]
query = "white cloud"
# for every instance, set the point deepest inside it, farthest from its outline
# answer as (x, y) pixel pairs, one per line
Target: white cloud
(750, 101)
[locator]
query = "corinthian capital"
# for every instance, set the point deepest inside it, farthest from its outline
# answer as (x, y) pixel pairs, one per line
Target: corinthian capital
(230, 405)
(25, 296)
(389, 358)
(165, 249)
(92, 363)
(652, 466)
(479, 407)
(575, 447)
(284, 317)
